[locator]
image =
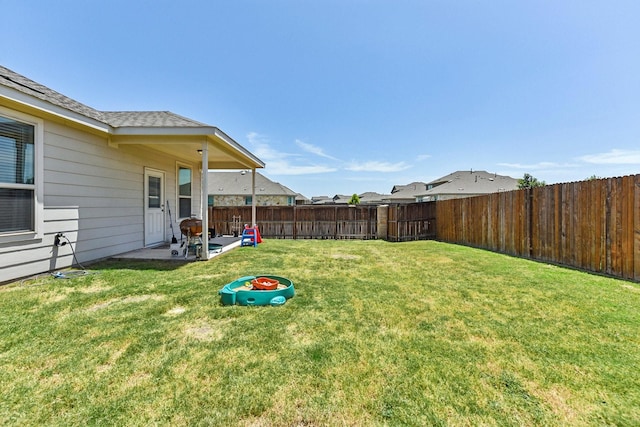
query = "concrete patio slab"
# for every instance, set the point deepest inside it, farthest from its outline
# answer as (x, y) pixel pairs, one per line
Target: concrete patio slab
(163, 252)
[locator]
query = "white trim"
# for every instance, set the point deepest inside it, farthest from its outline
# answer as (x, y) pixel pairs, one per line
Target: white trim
(38, 177)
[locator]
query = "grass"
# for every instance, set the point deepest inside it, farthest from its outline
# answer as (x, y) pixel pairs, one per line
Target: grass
(417, 333)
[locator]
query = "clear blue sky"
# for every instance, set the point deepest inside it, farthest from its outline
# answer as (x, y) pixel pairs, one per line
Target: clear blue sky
(348, 96)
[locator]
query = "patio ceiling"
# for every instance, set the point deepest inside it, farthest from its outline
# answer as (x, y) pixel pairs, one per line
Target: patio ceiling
(186, 144)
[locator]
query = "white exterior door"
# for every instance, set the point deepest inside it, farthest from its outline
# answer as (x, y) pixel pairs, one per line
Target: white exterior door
(154, 222)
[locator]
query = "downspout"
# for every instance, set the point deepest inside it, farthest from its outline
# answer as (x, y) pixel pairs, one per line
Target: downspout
(204, 199)
(253, 197)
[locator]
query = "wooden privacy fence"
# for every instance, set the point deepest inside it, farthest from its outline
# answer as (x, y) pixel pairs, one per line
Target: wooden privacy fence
(413, 221)
(300, 222)
(592, 225)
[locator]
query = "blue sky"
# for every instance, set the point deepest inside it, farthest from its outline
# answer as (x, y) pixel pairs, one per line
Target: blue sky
(348, 96)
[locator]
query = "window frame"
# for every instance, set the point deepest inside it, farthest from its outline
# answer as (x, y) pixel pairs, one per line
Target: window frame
(38, 179)
(178, 195)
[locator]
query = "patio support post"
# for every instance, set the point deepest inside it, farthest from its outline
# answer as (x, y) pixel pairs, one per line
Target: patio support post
(204, 199)
(253, 197)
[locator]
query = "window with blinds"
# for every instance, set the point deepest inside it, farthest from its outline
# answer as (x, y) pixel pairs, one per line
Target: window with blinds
(184, 192)
(17, 173)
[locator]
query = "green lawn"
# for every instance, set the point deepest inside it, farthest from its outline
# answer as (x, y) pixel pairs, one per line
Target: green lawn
(417, 333)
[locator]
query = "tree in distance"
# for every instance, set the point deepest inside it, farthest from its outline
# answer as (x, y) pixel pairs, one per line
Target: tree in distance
(354, 200)
(529, 181)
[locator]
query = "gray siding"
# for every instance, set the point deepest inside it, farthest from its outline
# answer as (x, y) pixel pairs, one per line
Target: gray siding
(93, 193)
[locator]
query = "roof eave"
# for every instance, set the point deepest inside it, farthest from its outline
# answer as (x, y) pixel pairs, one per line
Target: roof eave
(239, 148)
(33, 103)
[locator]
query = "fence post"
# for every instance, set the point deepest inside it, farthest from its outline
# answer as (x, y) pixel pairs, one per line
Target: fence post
(295, 223)
(383, 224)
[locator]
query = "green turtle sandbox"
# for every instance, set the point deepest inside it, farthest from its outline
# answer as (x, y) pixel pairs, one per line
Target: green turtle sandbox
(245, 291)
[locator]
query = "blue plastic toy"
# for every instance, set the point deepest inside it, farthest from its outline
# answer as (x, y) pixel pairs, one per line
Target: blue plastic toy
(243, 291)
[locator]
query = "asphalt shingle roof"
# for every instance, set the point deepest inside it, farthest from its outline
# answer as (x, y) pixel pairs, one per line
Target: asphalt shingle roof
(148, 119)
(471, 182)
(22, 84)
(237, 183)
(116, 119)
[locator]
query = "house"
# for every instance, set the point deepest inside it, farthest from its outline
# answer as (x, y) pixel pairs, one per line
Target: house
(237, 188)
(102, 182)
(372, 198)
(338, 199)
(302, 200)
(405, 193)
(466, 184)
(321, 200)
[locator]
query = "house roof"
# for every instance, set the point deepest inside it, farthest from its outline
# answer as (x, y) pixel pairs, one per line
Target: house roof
(132, 127)
(406, 192)
(113, 118)
(471, 182)
(148, 119)
(372, 197)
(239, 183)
(34, 89)
(321, 200)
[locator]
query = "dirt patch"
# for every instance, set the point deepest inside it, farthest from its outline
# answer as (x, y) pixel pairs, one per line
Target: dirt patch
(207, 330)
(175, 311)
(112, 359)
(563, 404)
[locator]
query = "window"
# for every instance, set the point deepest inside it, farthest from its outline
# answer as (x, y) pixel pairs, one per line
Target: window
(184, 191)
(248, 200)
(291, 201)
(210, 200)
(18, 190)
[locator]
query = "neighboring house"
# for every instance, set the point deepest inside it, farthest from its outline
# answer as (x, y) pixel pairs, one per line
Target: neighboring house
(102, 179)
(467, 184)
(372, 198)
(302, 200)
(321, 200)
(405, 193)
(338, 199)
(341, 199)
(237, 189)
(368, 198)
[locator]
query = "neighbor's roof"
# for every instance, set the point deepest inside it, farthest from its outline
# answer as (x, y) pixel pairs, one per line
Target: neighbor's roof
(372, 197)
(406, 192)
(471, 182)
(238, 183)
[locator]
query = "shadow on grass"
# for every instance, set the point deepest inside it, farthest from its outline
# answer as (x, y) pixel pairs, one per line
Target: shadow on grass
(139, 265)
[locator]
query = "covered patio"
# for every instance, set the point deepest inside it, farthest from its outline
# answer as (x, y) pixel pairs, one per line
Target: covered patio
(188, 142)
(164, 252)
